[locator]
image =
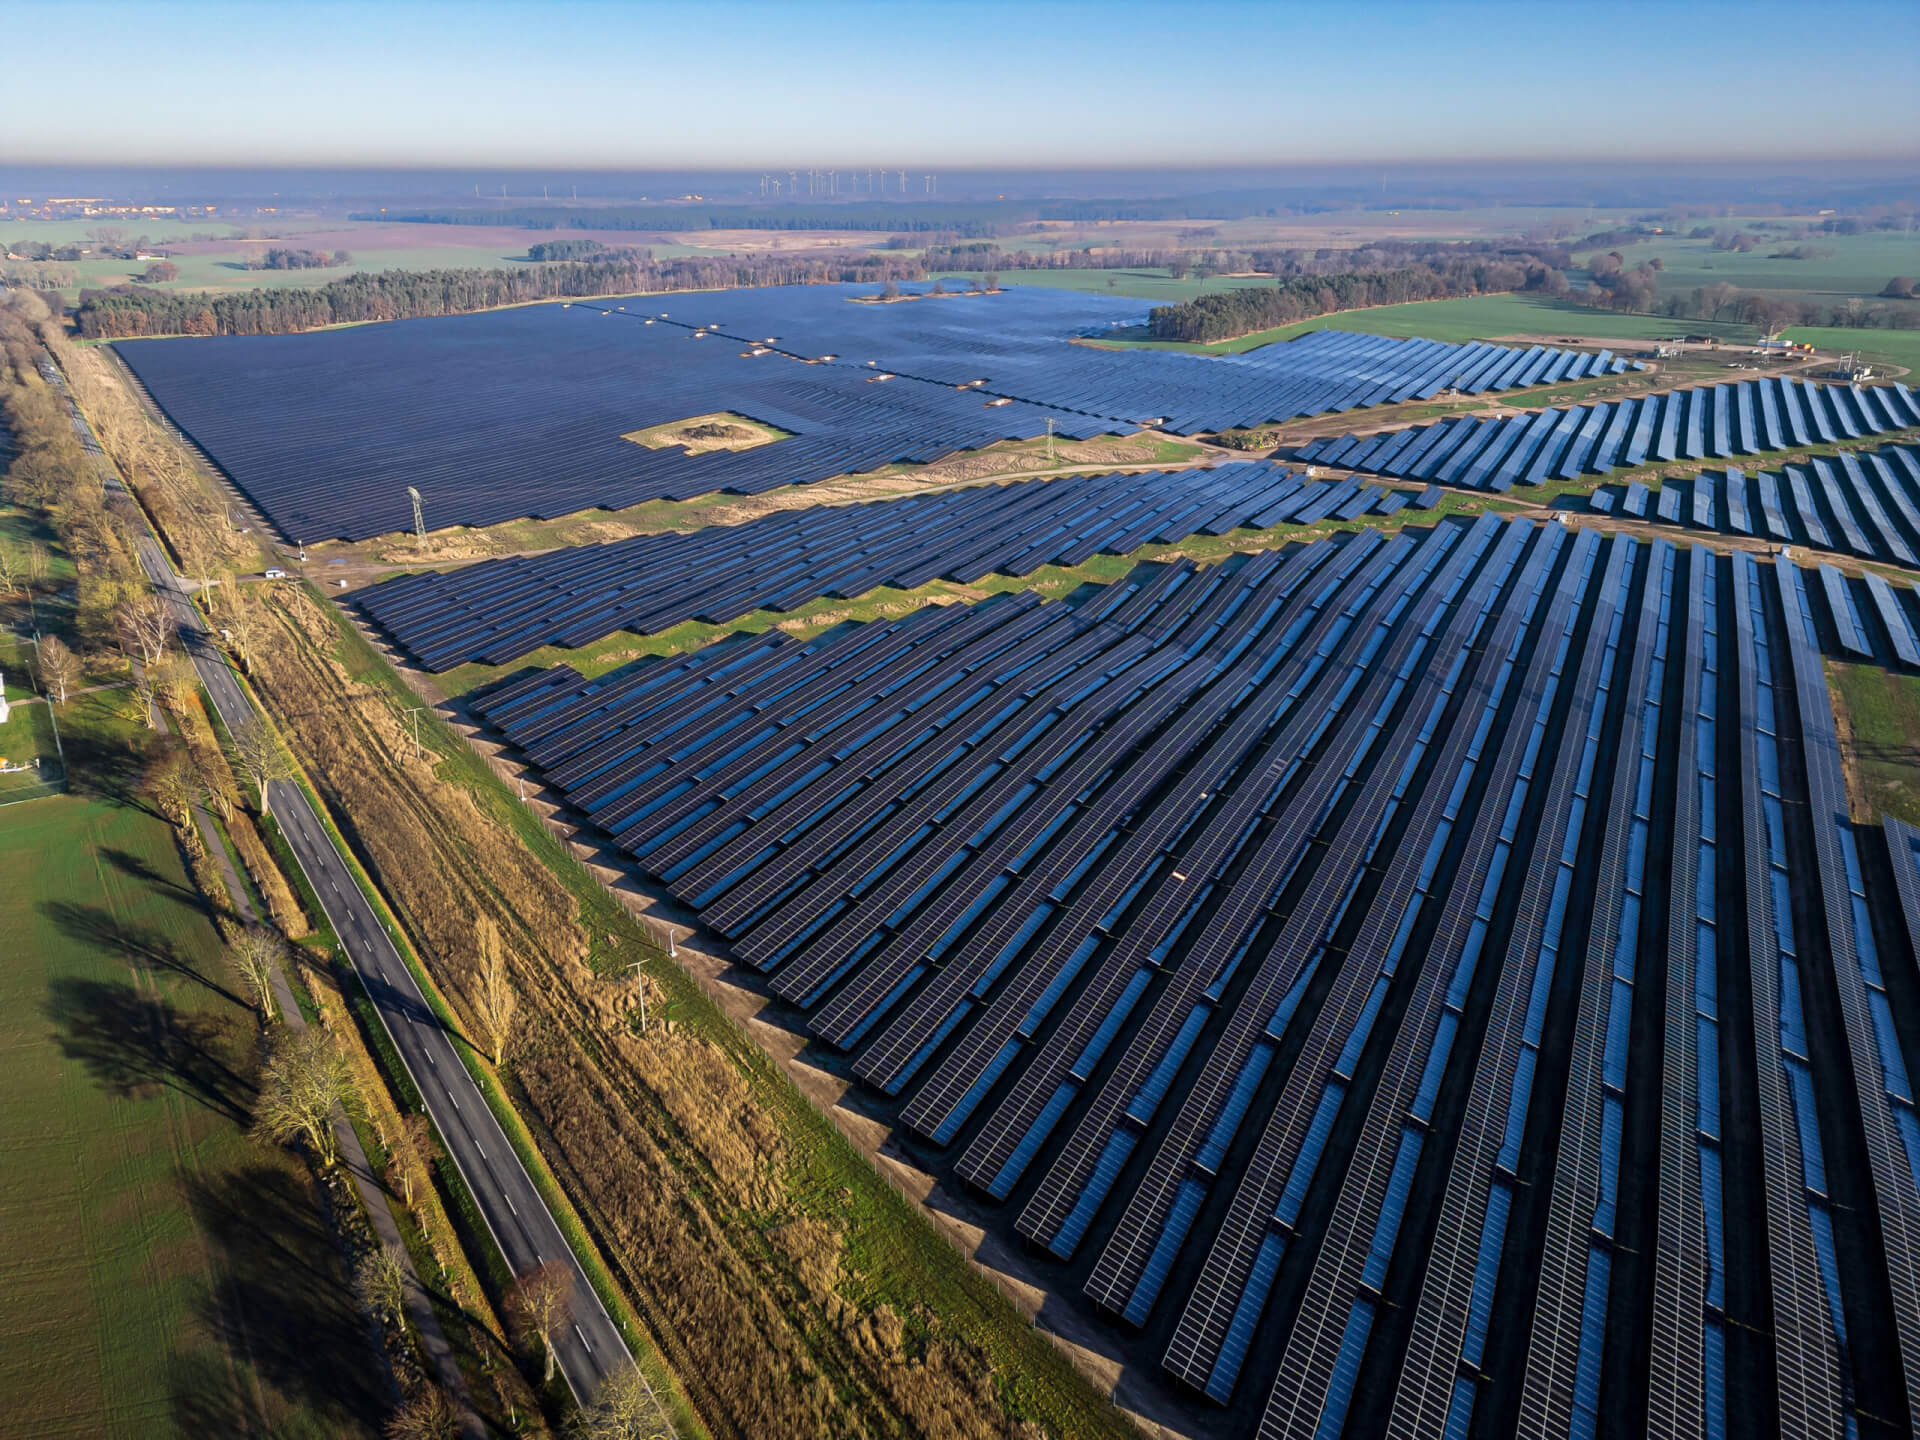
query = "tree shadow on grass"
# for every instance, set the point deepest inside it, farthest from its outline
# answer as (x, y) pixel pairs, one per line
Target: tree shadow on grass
(135, 1045)
(103, 769)
(96, 926)
(134, 867)
(282, 1305)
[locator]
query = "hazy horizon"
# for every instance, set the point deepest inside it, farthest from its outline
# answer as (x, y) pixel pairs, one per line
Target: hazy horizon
(744, 86)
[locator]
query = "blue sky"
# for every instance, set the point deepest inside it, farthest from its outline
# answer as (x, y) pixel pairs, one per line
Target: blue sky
(758, 85)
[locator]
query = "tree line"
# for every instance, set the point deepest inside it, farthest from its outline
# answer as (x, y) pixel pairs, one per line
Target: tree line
(128, 311)
(564, 249)
(1229, 313)
(280, 257)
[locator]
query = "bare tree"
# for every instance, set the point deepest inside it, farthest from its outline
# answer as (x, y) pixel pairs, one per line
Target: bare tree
(304, 1078)
(410, 1161)
(261, 755)
(59, 669)
(541, 1303)
(381, 1279)
(625, 1409)
(146, 624)
(13, 571)
(496, 1000)
(146, 689)
(213, 790)
(426, 1415)
(236, 618)
(254, 957)
(174, 682)
(172, 783)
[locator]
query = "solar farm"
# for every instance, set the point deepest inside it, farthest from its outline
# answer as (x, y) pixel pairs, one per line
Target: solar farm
(1417, 980)
(500, 610)
(1384, 980)
(1864, 504)
(522, 412)
(1748, 417)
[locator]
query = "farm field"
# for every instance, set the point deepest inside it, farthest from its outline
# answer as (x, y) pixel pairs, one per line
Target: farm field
(1860, 265)
(1165, 1007)
(161, 1274)
(218, 265)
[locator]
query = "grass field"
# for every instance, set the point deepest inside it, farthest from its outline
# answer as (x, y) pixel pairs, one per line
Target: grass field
(1878, 347)
(1882, 710)
(160, 1274)
(1859, 265)
(25, 735)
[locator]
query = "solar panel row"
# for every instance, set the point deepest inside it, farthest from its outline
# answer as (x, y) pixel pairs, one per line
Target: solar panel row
(1229, 932)
(1748, 417)
(522, 412)
(1865, 504)
(499, 610)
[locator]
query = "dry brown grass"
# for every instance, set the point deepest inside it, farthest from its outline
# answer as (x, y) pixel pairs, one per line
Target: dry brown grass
(672, 1155)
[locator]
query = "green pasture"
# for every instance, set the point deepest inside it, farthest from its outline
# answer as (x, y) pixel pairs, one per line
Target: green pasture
(1876, 347)
(1883, 709)
(160, 1273)
(1860, 265)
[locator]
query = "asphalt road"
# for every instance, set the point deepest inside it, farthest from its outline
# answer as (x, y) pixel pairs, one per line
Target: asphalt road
(591, 1348)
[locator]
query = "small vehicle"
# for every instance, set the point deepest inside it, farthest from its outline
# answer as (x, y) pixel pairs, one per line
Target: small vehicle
(274, 572)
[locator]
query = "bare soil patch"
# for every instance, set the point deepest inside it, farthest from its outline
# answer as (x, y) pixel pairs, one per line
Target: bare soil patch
(720, 430)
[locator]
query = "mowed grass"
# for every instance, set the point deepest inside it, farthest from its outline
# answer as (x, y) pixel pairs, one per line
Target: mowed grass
(1882, 708)
(160, 1274)
(1876, 347)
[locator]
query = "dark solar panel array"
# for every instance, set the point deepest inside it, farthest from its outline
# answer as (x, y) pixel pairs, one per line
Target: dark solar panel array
(499, 610)
(1864, 503)
(1377, 974)
(1747, 417)
(520, 412)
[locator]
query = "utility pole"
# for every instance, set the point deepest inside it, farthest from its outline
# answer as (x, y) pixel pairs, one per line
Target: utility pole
(1049, 439)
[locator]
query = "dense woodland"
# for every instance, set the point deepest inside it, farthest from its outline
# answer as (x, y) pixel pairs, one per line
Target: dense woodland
(406, 294)
(565, 249)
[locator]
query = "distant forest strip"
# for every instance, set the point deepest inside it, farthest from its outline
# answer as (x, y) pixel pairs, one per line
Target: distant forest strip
(130, 311)
(1231, 313)
(985, 218)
